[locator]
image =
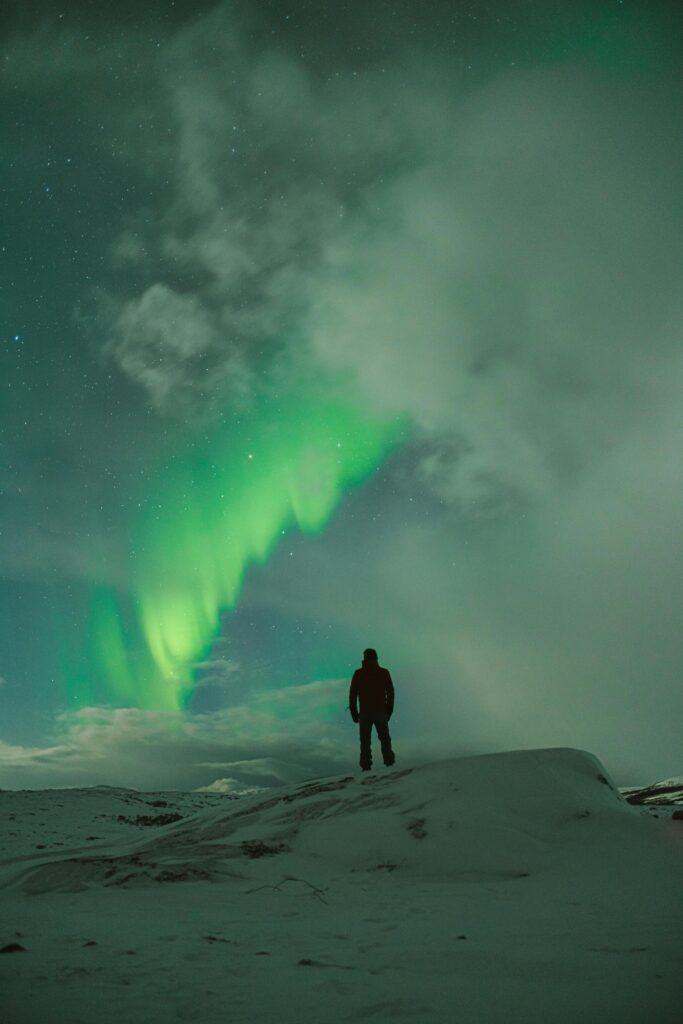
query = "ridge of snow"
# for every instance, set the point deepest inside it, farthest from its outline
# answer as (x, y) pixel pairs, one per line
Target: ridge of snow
(509, 887)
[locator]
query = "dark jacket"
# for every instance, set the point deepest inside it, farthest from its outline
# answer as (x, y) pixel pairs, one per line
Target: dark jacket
(373, 687)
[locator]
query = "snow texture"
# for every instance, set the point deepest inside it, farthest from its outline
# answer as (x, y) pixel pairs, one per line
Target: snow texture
(518, 887)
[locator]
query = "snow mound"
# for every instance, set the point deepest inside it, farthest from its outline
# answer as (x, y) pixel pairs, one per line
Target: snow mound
(515, 888)
(477, 819)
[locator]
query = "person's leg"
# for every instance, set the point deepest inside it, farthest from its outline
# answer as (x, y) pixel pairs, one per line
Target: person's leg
(365, 729)
(382, 726)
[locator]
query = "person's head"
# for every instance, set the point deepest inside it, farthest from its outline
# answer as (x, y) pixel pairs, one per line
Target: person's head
(369, 654)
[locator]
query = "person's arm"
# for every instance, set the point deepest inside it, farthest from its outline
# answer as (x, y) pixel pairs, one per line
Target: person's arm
(389, 692)
(353, 696)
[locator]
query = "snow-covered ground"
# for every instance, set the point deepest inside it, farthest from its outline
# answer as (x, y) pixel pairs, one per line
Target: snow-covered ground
(515, 887)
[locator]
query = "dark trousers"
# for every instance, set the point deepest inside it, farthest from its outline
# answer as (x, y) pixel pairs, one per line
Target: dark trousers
(380, 721)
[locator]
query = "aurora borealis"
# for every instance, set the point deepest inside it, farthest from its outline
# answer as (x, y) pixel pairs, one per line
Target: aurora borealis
(326, 332)
(212, 513)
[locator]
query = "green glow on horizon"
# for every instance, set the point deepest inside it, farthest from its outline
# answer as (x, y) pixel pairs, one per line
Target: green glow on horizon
(212, 511)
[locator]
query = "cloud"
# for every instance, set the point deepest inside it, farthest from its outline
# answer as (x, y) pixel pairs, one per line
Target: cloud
(219, 673)
(269, 739)
(262, 165)
(558, 627)
(519, 298)
(518, 295)
(170, 345)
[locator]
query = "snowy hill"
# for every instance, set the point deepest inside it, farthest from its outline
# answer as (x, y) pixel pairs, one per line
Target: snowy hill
(503, 888)
(660, 794)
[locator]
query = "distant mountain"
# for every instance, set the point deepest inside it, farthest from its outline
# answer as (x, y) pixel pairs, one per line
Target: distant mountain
(670, 791)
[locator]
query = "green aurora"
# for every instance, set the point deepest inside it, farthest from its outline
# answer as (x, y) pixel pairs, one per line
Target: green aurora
(213, 510)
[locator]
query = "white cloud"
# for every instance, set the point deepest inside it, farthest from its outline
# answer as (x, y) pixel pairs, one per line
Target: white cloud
(221, 673)
(170, 345)
(270, 739)
(517, 295)
(262, 167)
(556, 628)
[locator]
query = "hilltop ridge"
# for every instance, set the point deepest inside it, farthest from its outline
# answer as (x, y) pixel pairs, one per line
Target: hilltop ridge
(514, 887)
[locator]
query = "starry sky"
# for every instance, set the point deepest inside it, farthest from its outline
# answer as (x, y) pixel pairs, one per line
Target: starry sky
(327, 327)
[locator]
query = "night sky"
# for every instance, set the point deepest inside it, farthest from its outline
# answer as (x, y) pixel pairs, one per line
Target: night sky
(328, 326)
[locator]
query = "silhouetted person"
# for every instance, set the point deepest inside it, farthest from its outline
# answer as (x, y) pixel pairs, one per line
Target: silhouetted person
(373, 688)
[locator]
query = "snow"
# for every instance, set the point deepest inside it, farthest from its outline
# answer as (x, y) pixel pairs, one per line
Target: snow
(670, 791)
(500, 888)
